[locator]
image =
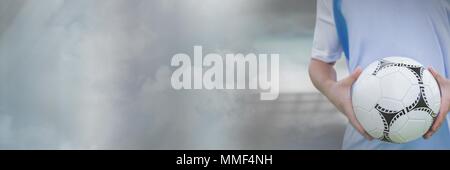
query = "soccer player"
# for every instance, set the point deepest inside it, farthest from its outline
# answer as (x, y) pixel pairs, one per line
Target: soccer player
(368, 30)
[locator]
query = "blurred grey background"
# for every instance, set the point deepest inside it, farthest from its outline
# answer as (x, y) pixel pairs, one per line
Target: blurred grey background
(95, 74)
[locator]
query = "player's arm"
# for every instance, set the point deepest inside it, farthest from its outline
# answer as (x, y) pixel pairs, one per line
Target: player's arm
(444, 85)
(323, 76)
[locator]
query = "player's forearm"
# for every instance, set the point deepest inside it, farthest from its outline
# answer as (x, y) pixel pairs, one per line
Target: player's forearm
(323, 75)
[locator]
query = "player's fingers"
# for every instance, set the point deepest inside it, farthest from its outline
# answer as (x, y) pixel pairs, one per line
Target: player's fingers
(355, 123)
(435, 74)
(440, 118)
(354, 76)
(359, 128)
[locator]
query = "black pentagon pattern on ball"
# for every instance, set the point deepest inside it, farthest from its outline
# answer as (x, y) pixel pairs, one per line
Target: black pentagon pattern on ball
(420, 104)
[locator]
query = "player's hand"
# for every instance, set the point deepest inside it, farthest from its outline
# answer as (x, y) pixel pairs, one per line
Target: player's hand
(339, 93)
(444, 86)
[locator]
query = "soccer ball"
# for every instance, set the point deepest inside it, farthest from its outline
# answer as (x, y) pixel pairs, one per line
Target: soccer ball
(396, 99)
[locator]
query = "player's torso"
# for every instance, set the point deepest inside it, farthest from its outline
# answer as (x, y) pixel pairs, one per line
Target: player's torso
(412, 28)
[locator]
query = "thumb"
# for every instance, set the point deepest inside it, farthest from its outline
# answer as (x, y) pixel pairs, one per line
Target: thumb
(354, 75)
(435, 74)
